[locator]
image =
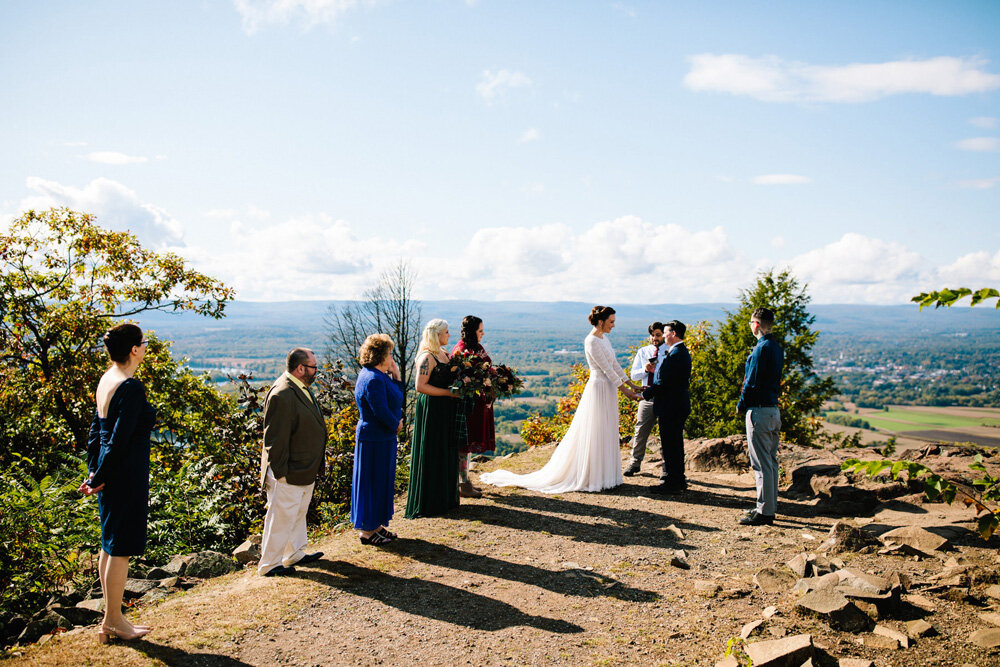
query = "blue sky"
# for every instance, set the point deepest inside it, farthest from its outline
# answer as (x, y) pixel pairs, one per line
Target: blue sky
(597, 151)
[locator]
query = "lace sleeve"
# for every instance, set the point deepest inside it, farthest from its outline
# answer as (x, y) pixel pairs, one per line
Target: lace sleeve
(604, 359)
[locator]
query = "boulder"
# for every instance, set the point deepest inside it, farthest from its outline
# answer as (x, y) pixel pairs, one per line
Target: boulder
(773, 580)
(895, 635)
(177, 565)
(862, 581)
(43, 623)
(96, 604)
(787, 652)
(920, 539)
(801, 565)
(79, 615)
(919, 628)
(845, 537)
(717, 454)
(803, 475)
(249, 551)
(158, 573)
(136, 588)
(835, 609)
(207, 564)
(810, 584)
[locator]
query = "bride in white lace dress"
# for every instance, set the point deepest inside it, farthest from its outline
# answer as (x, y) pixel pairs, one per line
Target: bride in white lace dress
(588, 457)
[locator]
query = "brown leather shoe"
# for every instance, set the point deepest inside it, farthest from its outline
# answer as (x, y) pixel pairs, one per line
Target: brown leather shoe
(466, 490)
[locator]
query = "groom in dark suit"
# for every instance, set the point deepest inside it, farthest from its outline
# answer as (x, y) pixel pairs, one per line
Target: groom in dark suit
(672, 405)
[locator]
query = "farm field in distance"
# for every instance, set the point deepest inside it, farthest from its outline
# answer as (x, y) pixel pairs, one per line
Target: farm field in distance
(915, 425)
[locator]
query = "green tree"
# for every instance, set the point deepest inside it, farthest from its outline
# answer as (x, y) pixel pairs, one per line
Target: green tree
(950, 296)
(718, 356)
(64, 281)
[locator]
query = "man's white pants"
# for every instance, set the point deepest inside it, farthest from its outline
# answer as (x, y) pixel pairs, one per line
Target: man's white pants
(284, 535)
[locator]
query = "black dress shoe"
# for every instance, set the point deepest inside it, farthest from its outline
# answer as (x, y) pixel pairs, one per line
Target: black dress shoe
(631, 470)
(668, 489)
(280, 571)
(310, 558)
(756, 519)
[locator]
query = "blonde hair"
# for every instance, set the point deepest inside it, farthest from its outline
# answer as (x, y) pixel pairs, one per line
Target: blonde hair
(429, 340)
(375, 349)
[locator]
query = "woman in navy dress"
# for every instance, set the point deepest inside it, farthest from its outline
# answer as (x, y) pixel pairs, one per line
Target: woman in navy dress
(118, 461)
(379, 394)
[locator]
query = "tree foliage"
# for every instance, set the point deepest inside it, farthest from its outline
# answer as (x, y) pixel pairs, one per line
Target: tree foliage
(64, 281)
(718, 355)
(950, 296)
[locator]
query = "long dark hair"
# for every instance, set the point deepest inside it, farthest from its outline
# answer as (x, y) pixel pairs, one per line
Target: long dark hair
(470, 326)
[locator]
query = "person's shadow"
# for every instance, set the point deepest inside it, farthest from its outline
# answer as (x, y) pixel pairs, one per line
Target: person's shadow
(171, 656)
(576, 581)
(429, 599)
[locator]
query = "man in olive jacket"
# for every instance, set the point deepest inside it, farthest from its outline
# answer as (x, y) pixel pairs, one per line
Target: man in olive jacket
(291, 459)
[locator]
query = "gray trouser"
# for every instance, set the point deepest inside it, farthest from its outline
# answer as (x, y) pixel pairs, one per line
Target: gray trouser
(763, 430)
(645, 420)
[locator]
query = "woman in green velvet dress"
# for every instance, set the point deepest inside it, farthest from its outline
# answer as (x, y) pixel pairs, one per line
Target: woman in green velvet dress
(434, 449)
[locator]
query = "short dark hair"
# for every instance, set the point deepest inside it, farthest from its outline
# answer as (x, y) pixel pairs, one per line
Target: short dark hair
(120, 340)
(654, 326)
(297, 357)
(470, 326)
(763, 315)
(600, 314)
(677, 327)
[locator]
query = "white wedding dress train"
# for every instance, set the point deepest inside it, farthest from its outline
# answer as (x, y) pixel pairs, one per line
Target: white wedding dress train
(588, 457)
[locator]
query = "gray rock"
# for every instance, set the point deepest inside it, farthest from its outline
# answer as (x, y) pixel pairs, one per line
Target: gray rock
(43, 624)
(915, 537)
(880, 641)
(827, 581)
(79, 615)
(207, 564)
(751, 628)
(158, 573)
(136, 588)
(773, 580)
(991, 617)
(988, 638)
(993, 591)
(835, 609)
(249, 551)
(706, 588)
(893, 634)
(170, 582)
(675, 531)
(788, 652)
(845, 537)
(800, 565)
(177, 565)
(717, 454)
(13, 628)
(155, 595)
(92, 605)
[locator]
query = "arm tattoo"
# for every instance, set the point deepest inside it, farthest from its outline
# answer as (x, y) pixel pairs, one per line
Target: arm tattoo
(425, 366)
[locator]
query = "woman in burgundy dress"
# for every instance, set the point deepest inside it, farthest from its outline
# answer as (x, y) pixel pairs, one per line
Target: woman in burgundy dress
(478, 415)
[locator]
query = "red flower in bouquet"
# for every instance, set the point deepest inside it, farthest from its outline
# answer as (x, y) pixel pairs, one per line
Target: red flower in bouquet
(473, 375)
(505, 383)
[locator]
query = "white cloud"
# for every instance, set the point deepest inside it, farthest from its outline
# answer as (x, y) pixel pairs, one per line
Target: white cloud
(531, 134)
(979, 183)
(858, 269)
(778, 242)
(974, 270)
(771, 79)
(258, 13)
(116, 207)
(496, 84)
(979, 144)
(781, 179)
(985, 122)
(113, 157)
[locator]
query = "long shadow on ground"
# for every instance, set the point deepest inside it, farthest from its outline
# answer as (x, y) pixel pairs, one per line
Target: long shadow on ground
(430, 599)
(566, 582)
(175, 656)
(530, 513)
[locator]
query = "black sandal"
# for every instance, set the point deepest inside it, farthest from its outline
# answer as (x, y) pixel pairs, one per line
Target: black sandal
(376, 540)
(385, 532)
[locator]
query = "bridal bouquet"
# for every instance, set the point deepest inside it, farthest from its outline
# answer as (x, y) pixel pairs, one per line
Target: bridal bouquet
(473, 375)
(505, 381)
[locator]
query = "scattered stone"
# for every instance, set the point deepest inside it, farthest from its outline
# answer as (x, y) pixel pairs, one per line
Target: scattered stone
(717, 454)
(989, 638)
(728, 661)
(835, 609)
(780, 652)
(993, 591)
(679, 561)
(157, 573)
(800, 565)
(705, 588)
(206, 564)
(249, 551)
(922, 540)
(845, 537)
(893, 634)
(827, 581)
(769, 611)
(919, 628)
(773, 580)
(862, 581)
(177, 565)
(675, 531)
(920, 601)
(136, 588)
(900, 581)
(991, 617)
(96, 604)
(878, 641)
(570, 565)
(169, 582)
(79, 615)
(777, 631)
(956, 594)
(751, 628)
(42, 624)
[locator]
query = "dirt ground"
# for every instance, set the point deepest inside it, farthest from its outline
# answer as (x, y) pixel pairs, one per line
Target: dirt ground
(522, 578)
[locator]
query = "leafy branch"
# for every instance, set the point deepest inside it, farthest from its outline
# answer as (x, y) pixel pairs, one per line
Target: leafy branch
(936, 487)
(948, 297)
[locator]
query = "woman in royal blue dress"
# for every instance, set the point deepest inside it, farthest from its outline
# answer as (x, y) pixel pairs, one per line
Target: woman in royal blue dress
(118, 461)
(379, 394)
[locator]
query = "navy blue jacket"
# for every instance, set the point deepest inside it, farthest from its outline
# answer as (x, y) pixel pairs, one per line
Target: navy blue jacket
(380, 405)
(669, 391)
(762, 379)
